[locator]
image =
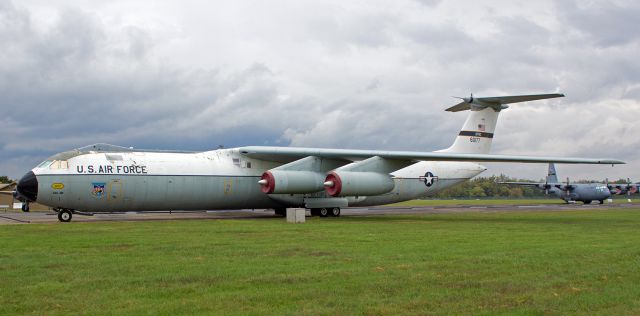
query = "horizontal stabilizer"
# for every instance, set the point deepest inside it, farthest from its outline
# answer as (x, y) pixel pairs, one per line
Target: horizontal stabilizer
(497, 102)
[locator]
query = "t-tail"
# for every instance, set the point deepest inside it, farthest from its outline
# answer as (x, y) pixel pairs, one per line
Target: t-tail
(552, 177)
(477, 132)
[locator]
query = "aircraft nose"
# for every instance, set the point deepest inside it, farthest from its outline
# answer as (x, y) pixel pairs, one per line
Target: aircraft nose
(28, 187)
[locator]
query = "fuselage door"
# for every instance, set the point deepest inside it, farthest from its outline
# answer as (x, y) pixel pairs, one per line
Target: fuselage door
(115, 191)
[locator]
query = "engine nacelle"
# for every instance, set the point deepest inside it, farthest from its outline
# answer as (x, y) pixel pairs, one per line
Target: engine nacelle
(350, 183)
(291, 182)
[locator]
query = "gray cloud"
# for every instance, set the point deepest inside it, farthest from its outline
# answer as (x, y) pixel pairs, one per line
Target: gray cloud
(610, 23)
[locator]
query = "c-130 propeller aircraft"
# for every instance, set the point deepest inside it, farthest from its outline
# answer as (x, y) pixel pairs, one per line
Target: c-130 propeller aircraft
(569, 192)
(107, 178)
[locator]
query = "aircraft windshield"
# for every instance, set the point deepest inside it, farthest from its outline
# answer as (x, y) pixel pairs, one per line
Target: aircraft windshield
(59, 164)
(54, 164)
(44, 164)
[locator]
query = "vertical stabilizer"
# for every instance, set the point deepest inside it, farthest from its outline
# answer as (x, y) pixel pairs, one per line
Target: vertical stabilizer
(552, 177)
(477, 132)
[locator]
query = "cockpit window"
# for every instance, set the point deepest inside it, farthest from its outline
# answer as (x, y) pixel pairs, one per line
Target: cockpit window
(59, 164)
(45, 164)
(113, 157)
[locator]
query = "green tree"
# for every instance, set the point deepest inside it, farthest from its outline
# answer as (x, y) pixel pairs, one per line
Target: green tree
(516, 192)
(477, 191)
(5, 179)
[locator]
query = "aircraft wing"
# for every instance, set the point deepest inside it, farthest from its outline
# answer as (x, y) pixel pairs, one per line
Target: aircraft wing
(288, 154)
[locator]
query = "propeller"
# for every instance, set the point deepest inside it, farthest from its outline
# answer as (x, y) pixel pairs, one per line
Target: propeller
(546, 186)
(610, 187)
(465, 100)
(567, 188)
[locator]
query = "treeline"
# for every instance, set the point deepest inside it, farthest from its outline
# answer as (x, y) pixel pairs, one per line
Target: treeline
(488, 187)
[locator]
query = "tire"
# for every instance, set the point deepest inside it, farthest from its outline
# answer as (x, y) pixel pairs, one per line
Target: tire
(601, 201)
(280, 211)
(587, 202)
(65, 216)
(335, 212)
(25, 207)
(324, 212)
(315, 212)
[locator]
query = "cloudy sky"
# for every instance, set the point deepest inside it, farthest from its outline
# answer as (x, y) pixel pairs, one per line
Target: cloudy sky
(368, 74)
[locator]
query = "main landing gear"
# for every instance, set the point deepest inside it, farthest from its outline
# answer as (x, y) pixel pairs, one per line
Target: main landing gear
(326, 212)
(65, 215)
(322, 212)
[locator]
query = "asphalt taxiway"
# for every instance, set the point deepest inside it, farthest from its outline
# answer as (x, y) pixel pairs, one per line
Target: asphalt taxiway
(11, 217)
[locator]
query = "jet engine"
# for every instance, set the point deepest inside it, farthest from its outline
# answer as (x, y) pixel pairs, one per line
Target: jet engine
(350, 183)
(291, 182)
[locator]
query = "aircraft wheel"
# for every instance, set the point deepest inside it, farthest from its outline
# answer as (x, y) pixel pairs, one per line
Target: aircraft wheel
(587, 202)
(601, 201)
(25, 207)
(280, 211)
(65, 216)
(324, 212)
(335, 212)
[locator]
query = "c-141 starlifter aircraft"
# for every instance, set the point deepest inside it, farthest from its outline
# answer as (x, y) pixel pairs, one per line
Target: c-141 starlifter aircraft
(106, 178)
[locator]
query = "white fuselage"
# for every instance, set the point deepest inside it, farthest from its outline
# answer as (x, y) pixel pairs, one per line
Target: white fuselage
(219, 179)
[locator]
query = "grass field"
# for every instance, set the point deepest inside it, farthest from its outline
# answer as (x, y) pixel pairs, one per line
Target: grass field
(451, 202)
(569, 262)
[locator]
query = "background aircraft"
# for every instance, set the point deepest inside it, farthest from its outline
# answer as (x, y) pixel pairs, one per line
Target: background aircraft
(627, 188)
(570, 192)
(106, 178)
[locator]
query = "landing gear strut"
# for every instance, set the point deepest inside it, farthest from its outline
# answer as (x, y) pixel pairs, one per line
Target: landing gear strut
(281, 211)
(25, 207)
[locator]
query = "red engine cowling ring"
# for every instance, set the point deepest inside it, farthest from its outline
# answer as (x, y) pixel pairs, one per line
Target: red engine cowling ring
(336, 188)
(271, 183)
